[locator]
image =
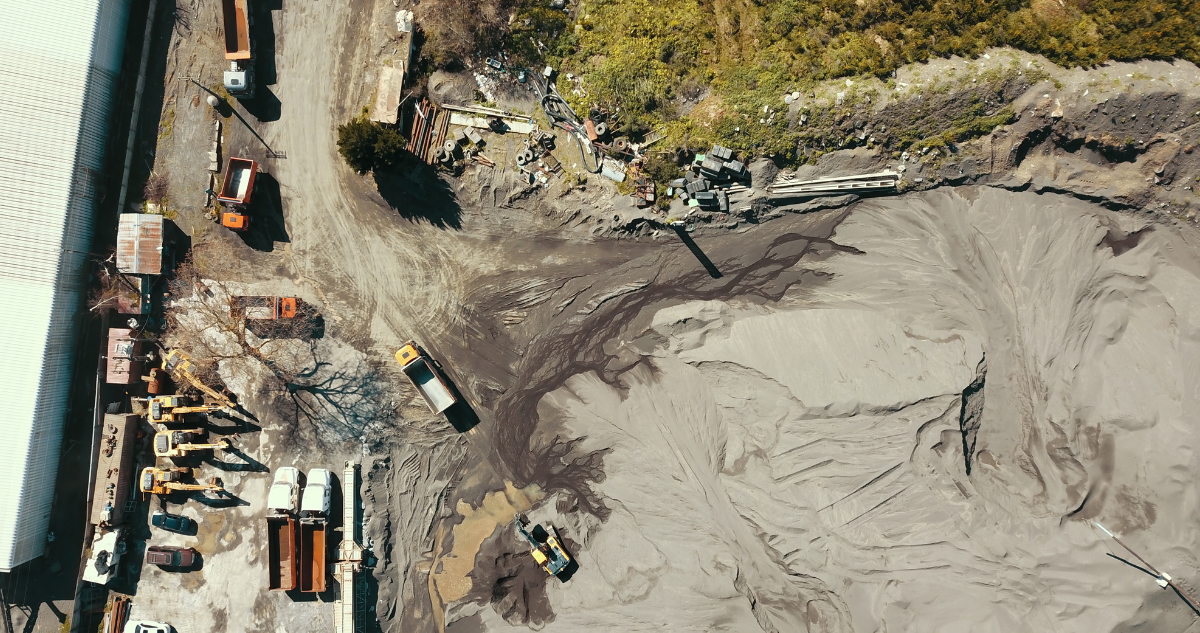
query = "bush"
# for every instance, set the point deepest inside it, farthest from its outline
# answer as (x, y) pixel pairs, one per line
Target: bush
(661, 169)
(367, 145)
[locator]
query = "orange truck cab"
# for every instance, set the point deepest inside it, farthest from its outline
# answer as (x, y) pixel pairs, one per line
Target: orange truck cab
(286, 307)
(235, 221)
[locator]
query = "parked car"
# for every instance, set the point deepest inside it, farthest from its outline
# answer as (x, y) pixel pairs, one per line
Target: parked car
(141, 626)
(170, 522)
(168, 556)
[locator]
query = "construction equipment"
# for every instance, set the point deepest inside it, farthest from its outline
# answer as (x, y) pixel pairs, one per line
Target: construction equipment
(545, 547)
(239, 79)
(180, 443)
(172, 409)
(262, 308)
(236, 191)
(310, 548)
(182, 368)
(163, 481)
(352, 605)
(281, 552)
(420, 370)
(283, 500)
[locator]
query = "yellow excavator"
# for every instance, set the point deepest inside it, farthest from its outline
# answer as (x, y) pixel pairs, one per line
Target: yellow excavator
(182, 368)
(164, 481)
(172, 409)
(545, 547)
(180, 443)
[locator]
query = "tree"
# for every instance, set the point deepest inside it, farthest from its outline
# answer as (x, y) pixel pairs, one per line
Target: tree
(330, 392)
(367, 145)
(356, 144)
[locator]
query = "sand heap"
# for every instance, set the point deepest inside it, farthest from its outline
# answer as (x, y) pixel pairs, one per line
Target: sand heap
(912, 446)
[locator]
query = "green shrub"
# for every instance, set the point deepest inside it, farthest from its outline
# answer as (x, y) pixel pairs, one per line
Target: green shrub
(367, 145)
(661, 169)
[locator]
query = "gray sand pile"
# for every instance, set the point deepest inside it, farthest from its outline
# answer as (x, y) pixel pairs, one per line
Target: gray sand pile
(914, 445)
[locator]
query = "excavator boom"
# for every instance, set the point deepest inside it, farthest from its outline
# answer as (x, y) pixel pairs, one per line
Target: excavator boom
(182, 368)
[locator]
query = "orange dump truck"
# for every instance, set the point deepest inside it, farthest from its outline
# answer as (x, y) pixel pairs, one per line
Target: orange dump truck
(239, 79)
(262, 308)
(236, 190)
(310, 549)
(281, 553)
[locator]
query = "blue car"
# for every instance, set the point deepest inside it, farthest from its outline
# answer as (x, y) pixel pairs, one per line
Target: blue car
(170, 522)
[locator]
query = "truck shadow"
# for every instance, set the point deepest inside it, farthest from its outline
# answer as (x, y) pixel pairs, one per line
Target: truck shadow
(460, 415)
(265, 106)
(266, 216)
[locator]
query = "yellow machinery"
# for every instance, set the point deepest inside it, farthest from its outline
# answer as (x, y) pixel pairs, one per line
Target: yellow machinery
(180, 443)
(162, 481)
(547, 552)
(182, 368)
(172, 409)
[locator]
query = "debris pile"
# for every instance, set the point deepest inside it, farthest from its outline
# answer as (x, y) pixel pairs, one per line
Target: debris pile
(710, 180)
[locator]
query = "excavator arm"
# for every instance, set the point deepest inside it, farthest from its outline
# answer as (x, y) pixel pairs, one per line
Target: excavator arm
(180, 368)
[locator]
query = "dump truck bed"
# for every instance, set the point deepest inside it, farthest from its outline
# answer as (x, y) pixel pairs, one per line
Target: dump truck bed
(238, 185)
(437, 395)
(281, 553)
(310, 551)
(237, 28)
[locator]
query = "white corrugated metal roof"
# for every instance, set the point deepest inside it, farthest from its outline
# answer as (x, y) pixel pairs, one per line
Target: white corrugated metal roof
(59, 64)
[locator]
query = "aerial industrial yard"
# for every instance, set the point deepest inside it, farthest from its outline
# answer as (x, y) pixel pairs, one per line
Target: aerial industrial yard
(385, 330)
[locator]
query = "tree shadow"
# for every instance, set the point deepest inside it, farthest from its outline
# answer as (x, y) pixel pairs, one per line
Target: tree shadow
(266, 216)
(695, 249)
(417, 193)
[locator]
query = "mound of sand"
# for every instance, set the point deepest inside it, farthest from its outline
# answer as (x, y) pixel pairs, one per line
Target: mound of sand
(914, 445)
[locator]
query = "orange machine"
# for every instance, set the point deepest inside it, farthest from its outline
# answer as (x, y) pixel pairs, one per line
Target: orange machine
(235, 221)
(236, 191)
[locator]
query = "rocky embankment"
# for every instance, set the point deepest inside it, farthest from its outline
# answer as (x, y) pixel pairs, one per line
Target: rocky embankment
(1121, 134)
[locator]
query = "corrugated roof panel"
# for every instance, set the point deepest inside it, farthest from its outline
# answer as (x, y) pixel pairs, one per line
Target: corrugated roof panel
(58, 72)
(139, 244)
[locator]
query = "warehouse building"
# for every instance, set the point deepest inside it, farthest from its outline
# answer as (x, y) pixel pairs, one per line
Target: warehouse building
(59, 68)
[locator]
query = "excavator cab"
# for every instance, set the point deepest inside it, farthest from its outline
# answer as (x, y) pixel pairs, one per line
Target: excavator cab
(161, 481)
(180, 443)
